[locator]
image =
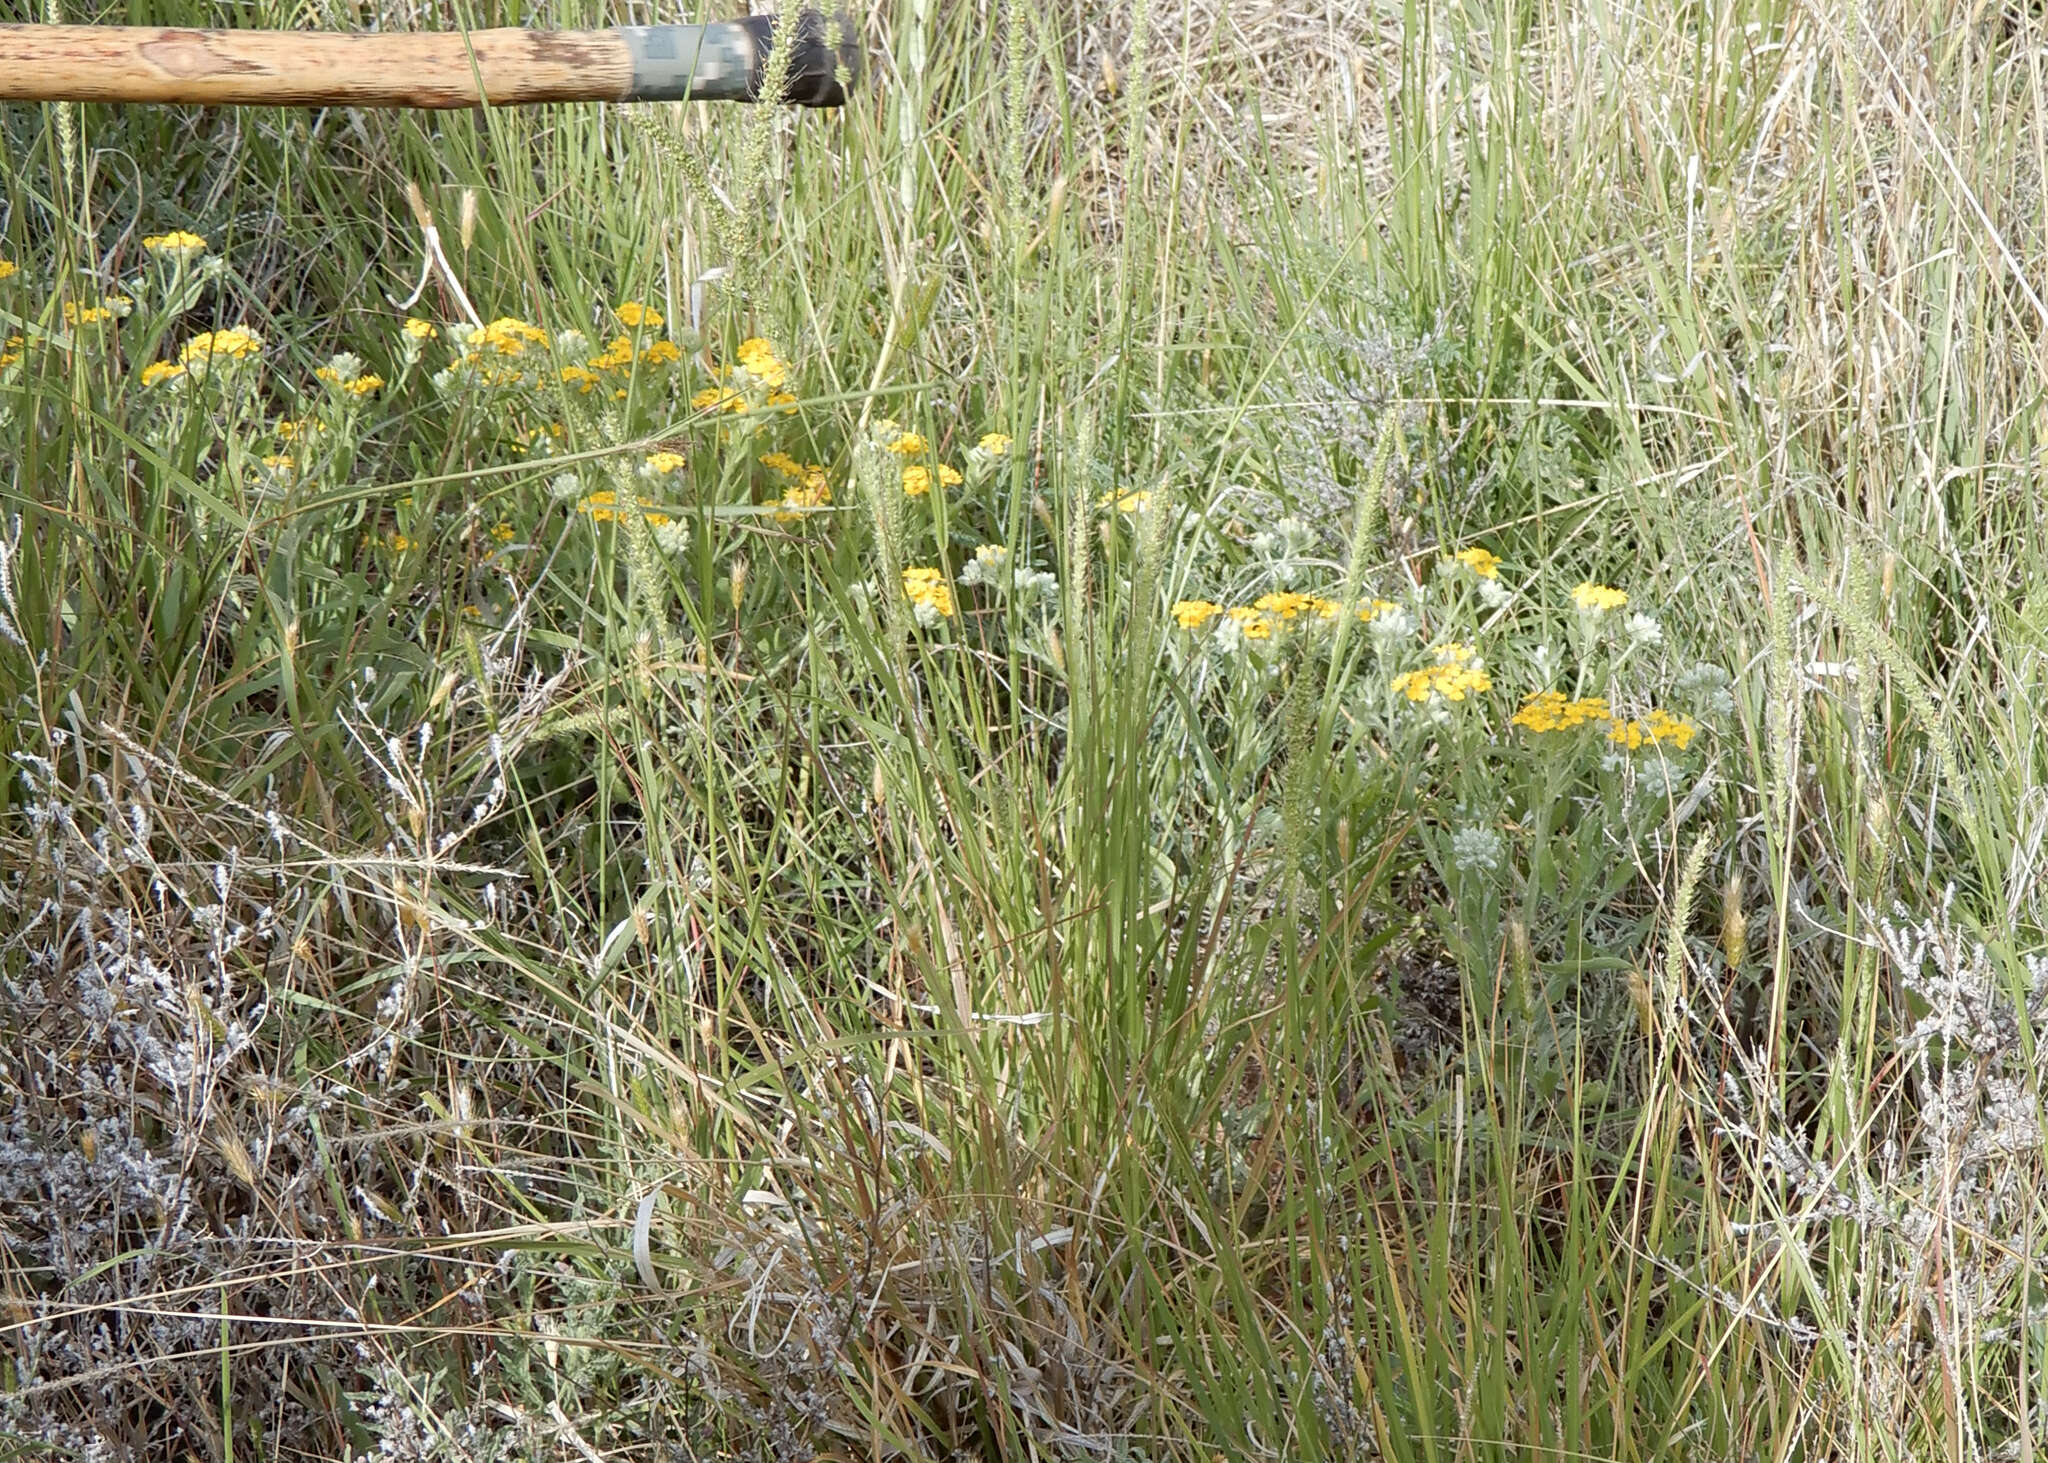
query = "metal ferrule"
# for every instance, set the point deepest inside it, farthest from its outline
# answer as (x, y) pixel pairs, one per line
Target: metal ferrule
(725, 61)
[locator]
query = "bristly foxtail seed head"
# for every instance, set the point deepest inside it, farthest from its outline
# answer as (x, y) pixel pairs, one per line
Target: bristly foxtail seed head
(643, 661)
(1734, 923)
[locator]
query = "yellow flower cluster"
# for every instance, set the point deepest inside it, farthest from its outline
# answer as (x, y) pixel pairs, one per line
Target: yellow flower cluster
(1456, 675)
(1657, 727)
(235, 344)
(758, 366)
(1483, 562)
(10, 347)
(507, 336)
(365, 384)
(108, 309)
(995, 444)
(178, 243)
(1550, 711)
(504, 339)
(1287, 605)
(1136, 502)
(805, 486)
(1598, 598)
(8, 269)
(917, 479)
(909, 444)
(619, 356)
(292, 430)
(420, 329)
(758, 359)
(159, 371)
(666, 462)
(605, 507)
(634, 315)
(924, 587)
(1256, 624)
(1270, 611)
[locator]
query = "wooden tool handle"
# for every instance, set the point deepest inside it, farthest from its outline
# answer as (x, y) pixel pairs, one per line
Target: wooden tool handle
(719, 62)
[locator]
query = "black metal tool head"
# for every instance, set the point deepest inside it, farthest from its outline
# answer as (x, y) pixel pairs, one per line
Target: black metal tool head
(729, 61)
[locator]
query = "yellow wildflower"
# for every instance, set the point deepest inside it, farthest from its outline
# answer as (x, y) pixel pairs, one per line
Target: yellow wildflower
(1456, 675)
(758, 359)
(77, 314)
(1287, 605)
(995, 444)
(363, 385)
(917, 479)
(400, 543)
(797, 502)
(1657, 727)
(235, 344)
(157, 371)
(924, 588)
(909, 444)
(10, 349)
(604, 507)
(718, 398)
(1598, 598)
(1550, 711)
(419, 329)
(618, 356)
(1254, 624)
(583, 380)
(8, 269)
(1192, 614)
(1483, 562)
(508, 336)
(502, 532)
(277, 462)
(633, 315)
(177, 243)
(666, 462)
(662, 353)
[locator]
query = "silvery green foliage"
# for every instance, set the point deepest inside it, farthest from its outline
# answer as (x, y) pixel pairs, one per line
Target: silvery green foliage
(156, 1163)
(1953, 1167)
(1331, 418)
(129, 1028)
(1477, 850)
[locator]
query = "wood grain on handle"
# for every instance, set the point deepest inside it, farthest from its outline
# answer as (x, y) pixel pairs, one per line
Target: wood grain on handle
(438, 69)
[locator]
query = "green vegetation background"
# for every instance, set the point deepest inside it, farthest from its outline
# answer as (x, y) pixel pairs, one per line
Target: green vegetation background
(564, 991)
